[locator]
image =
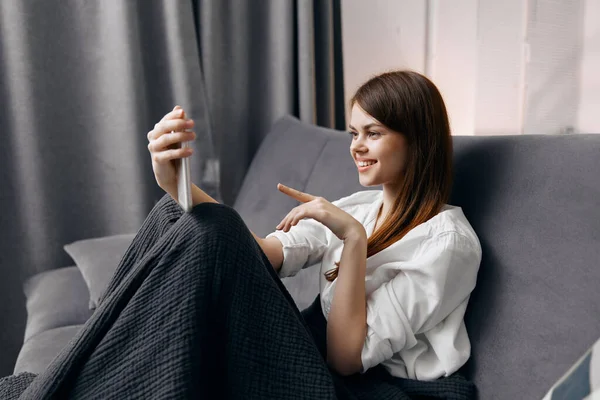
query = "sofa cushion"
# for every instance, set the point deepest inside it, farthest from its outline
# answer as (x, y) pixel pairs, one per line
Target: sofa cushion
(98, 259)
(287, 155)
(55, 298)
(40, 350)
(582, 380)
(534, 202)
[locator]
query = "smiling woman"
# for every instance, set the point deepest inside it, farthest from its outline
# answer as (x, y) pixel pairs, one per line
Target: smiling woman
(418, 256)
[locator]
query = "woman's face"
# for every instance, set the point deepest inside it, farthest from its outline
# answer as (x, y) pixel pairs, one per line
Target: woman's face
(378, 152)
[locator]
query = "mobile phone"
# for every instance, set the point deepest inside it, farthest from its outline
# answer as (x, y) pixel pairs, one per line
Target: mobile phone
(184, 180)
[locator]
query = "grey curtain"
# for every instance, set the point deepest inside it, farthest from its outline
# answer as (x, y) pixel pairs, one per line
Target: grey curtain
(83, 81)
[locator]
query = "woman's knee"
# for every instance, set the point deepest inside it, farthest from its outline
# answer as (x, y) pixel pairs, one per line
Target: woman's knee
(216, 219)
(217, 232)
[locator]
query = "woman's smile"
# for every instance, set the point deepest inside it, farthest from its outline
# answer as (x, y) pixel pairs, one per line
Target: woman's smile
(365, 165)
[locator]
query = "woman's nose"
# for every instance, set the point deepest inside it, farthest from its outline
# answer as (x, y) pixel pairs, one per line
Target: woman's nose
(358, 146)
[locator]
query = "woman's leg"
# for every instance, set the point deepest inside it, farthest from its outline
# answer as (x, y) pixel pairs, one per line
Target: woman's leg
(199, 313)
(263, 347)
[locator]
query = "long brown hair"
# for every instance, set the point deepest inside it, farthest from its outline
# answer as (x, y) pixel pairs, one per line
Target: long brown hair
(410, 104)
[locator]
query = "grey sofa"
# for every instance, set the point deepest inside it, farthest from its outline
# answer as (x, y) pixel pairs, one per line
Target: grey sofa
(533, 200)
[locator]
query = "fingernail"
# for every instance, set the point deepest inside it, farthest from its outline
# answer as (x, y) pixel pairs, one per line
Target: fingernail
(189, 123)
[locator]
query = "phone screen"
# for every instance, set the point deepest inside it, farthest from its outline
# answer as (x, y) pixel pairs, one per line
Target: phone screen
(184, 180)
(184, 184)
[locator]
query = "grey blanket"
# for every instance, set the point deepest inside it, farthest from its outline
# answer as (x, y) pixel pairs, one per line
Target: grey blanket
(195, 310)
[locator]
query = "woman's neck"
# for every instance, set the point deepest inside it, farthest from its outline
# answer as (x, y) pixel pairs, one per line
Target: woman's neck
(390, 192)
(379, 220)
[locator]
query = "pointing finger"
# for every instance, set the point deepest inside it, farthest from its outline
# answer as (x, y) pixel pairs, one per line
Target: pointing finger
(296, 194)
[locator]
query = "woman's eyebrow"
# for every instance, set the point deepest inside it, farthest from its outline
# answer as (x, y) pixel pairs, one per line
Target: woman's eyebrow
(368, 126)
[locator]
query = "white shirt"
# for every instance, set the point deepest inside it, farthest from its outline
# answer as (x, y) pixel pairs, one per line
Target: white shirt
(417, 289)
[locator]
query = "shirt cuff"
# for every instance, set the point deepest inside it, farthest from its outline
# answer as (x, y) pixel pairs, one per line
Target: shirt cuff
(376, 349)
(294, 254)
(388, 330)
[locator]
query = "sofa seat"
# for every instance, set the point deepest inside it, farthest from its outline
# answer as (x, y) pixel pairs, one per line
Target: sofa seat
(57, 307)
(39, 350)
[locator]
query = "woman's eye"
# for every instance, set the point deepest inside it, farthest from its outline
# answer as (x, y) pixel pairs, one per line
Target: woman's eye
(369, 134)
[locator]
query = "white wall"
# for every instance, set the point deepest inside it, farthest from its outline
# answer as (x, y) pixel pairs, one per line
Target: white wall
(501, 56)
(452, 59)
(505, 67)
(589, 96)
(379, 35)
(554, 36)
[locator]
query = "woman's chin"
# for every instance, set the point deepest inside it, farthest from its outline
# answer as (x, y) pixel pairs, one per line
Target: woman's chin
(364, 182)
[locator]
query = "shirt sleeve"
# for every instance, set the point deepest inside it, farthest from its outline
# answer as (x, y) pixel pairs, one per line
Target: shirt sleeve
(303, 245)
(423, 293)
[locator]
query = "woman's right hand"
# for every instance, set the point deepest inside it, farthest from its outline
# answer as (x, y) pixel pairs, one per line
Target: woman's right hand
(163, 147)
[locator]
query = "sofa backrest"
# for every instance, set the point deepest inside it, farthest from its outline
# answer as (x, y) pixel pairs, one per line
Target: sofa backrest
(534, 202)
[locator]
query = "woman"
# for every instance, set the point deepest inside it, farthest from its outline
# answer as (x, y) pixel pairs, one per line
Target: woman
(398, 266)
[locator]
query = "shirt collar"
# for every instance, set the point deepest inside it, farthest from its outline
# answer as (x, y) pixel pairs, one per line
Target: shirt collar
(372, 214)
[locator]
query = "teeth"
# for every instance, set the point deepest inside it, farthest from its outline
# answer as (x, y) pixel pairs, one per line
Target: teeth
(366, 163)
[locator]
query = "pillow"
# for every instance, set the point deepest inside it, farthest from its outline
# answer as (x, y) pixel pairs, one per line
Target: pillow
(582, 380)
(54, 299)
(98, 259)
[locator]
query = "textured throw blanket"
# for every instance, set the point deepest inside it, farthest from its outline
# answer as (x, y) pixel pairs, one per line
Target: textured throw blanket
(196, 311)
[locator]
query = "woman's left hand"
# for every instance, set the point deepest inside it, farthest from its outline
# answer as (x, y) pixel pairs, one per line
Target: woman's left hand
(342, 224)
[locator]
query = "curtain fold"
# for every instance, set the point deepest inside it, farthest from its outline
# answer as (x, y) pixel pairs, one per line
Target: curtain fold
(82, 82)
(264, 59)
